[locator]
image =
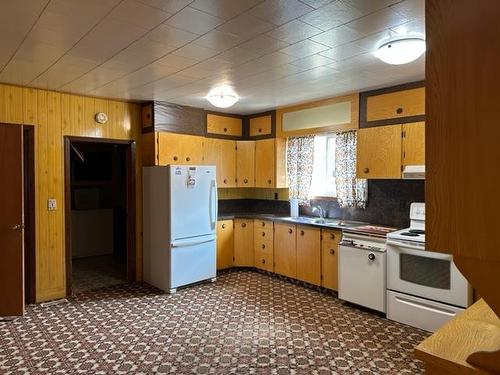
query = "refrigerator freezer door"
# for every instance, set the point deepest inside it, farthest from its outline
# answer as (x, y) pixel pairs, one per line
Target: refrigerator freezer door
(192, 260)
(193, 201)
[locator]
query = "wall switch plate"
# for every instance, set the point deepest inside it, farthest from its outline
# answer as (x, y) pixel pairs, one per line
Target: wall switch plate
(51, 204)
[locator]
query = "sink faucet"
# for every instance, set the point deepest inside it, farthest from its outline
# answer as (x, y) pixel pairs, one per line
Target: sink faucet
(320, 211)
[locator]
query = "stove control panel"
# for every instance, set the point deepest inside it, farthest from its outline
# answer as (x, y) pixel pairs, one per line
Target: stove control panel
(417, 211)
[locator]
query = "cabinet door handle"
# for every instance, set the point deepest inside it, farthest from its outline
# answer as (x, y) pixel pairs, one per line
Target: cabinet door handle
(243, 225)
(332, 251)
(263, 224)
(263, 261)
(225, 180)
(269, 182)
(263, 246)
(188, 159)
(263, 234)
(223, 226)
(290, 231)
(332, 236)
(301, 232)
(260, 130)
(225, 130)
(176, 158)
(399, 110)
(366, 170)
(245, 180)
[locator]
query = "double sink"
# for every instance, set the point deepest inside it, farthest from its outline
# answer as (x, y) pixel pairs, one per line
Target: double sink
(324, 222)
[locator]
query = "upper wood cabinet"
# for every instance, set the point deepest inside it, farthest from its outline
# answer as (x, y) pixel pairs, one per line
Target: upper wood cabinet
(243, 243)
(309, 254)
(222, 154)
(329, 258)
(265, 163)
(259, 126)
(168, 117)
(379, 152)
(179, 149)
(414, 143)
(285, 250)
(225, 244)
(404, 103)
(245, 163)
(224, 125)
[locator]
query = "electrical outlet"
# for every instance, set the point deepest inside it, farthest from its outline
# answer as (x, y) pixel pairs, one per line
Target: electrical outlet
(51, 204)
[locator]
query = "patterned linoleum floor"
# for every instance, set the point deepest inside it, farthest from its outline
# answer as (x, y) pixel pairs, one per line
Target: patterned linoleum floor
(245, 323)
(97, 272)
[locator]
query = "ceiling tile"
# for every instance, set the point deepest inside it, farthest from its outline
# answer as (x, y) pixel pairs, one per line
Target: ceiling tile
(332, 15)
(218, 41)
(276, 58)
(171, 6)
(176, 61)
(369, 6)
(263, 44)
(21, 72)
(245, 26)
(237, 56)
(317, 3)
(139, 14)
(312, 61)
(344, 51)
(378, 21)
(195, 52)
(337, 36)
(194, 21)
(410, 8)
(415, 27)
(279, 12)
(294, 31)
(171, 36)
(304, 48)
(224, 8)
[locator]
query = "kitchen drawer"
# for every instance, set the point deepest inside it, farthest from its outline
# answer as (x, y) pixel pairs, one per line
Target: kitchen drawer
(264, 245)
(264, 234)
(224, 125)
(263, 224)
(331, 236)
(419, 312)
(397, 104)
(264, 260)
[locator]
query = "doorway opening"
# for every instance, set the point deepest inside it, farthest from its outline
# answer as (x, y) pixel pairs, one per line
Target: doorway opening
(100, 213)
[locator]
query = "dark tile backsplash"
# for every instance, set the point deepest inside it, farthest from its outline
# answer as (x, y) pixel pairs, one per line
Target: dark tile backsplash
(254, 206)
(388, 203)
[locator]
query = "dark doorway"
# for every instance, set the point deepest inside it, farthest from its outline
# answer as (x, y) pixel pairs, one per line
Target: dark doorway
(100, 213)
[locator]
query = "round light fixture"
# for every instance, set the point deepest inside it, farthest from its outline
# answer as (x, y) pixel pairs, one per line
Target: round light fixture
(401, 51)
(222, 96)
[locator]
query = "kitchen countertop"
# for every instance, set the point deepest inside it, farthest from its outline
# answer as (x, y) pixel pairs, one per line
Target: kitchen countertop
(344, 225)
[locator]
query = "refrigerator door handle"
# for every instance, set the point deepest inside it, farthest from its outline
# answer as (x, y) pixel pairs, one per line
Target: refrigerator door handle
(213, 205)
(190, 243)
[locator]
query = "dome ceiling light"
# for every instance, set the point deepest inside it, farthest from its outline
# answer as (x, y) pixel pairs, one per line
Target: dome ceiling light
(222, 96)
(401, 51)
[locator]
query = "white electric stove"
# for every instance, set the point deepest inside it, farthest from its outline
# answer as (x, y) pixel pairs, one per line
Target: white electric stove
(424, 288)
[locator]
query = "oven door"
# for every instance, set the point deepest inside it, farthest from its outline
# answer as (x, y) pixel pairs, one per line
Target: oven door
(421, 273)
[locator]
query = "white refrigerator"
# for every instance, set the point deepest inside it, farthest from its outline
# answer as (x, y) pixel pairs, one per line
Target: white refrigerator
(179, 221)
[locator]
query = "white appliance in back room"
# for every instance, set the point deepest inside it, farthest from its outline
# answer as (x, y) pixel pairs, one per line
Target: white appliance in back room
(179, 221)
(424, 288)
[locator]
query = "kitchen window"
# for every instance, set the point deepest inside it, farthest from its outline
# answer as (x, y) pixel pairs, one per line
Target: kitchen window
(323, 178)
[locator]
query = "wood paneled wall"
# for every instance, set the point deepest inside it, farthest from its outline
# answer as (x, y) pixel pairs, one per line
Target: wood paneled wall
(55, 115)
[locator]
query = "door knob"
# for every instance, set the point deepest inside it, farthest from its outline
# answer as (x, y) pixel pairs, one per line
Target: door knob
(18, 227)
(371, 256)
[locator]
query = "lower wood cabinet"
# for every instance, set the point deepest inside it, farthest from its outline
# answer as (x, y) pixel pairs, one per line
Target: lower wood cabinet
(225, 244)
(243, 243)
(285, 250)
(309, 254)
(329, 258)
(263, 245)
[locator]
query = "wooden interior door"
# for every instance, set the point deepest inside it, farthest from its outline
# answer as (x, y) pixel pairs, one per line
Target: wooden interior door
(264, 163)
(11, 221)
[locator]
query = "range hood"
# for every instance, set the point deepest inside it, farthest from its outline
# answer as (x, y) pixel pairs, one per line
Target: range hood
(414, 172)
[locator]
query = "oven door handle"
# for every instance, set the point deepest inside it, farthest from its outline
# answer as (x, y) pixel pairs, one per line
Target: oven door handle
(429, 254)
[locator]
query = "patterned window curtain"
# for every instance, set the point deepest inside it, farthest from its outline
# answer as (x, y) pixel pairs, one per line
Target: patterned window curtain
(300, 159)
(351, 191)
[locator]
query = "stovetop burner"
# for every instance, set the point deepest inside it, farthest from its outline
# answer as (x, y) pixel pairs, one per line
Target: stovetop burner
(417, 231)
(410, 234)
